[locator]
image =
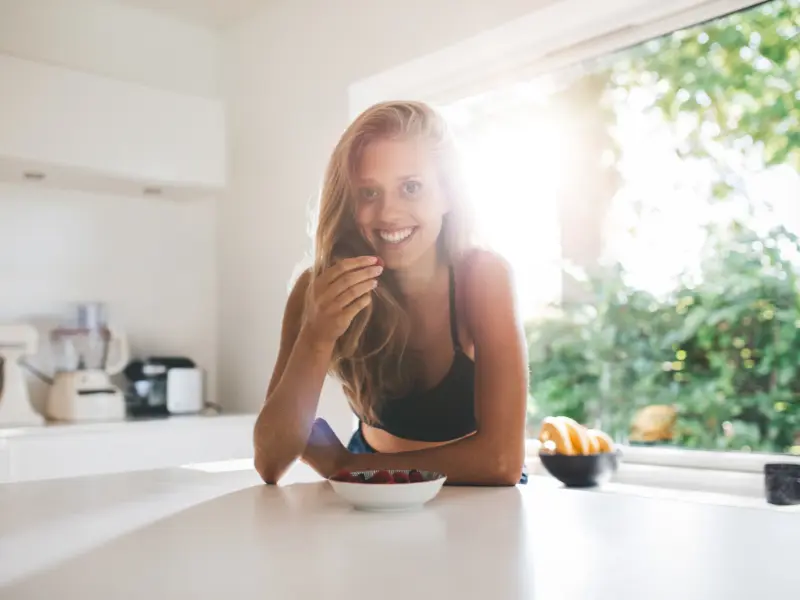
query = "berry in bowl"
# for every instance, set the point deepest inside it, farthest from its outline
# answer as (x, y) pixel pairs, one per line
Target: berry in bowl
(387, 489)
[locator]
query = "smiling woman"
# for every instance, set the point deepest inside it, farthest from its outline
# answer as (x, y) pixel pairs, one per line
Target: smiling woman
(418, 324)
(401, 214)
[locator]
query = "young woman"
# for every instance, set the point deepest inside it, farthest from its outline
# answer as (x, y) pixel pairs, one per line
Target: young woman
(419, 325)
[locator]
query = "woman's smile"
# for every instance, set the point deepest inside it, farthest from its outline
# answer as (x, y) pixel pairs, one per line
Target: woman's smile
(395, 237)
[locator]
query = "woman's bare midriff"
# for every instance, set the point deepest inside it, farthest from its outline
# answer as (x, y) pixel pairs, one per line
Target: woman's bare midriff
(385, 442)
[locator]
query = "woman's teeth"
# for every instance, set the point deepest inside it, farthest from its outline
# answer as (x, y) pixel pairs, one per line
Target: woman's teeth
(397, 236)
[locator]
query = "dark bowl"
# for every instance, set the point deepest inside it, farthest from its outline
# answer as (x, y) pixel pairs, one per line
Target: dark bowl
(583, 470)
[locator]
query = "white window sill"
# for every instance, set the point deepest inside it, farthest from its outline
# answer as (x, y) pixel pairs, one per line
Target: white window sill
(740, 462)
(718, 488)
(726, 478)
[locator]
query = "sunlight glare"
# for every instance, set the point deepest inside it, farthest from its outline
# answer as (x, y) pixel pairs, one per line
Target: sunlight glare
(514, 170)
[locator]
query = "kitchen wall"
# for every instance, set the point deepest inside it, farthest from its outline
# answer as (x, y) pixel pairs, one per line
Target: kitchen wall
(154, 261)
(286, 73)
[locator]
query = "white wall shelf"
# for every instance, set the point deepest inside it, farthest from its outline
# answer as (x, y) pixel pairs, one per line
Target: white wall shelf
(88, 132)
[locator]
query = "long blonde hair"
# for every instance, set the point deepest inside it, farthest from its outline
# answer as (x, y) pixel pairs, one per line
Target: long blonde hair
(369, 357)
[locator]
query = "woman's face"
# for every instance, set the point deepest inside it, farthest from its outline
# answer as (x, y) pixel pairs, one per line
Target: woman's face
(400, 202)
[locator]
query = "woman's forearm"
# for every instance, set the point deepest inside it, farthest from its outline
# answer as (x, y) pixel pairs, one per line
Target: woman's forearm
(285, 420)
(474, 460)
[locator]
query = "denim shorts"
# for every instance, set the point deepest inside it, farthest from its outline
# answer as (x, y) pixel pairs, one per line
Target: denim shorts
(358, 445)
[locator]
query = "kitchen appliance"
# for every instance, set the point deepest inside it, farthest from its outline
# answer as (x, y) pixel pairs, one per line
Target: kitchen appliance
(162, 386)
(87, 352)
(16, 342)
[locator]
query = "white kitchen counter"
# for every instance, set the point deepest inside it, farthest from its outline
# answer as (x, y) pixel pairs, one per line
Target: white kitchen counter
(186, 533)
(70, 450)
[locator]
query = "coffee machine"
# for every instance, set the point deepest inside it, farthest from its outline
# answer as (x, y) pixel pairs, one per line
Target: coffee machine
(87, 351)
(160, 386)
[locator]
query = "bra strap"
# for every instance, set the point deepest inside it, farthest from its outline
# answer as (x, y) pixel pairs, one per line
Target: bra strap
(453, 316)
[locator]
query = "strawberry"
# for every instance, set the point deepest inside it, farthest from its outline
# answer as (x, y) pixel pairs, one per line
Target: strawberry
(400, 477)
(415, 476)
(381, 477)
(342, 476)
(347, 477)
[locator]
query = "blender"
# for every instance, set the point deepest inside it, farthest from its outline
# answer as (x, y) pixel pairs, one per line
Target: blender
(16, 342)
(87, 352)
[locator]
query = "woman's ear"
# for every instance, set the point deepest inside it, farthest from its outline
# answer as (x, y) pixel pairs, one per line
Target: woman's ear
(448, 205)
(443, 200)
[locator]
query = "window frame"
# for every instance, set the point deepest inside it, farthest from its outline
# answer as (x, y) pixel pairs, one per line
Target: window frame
(552, 37)
(556, 36)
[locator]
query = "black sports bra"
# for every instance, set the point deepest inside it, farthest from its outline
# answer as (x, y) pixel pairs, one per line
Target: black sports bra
(444, 412)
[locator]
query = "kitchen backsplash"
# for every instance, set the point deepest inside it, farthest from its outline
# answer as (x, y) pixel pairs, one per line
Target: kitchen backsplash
(151, 260)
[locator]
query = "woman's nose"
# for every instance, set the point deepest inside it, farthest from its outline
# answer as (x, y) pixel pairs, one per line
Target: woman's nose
(391, 208)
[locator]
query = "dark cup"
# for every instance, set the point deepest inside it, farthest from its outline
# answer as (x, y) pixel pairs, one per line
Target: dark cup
(782, 483)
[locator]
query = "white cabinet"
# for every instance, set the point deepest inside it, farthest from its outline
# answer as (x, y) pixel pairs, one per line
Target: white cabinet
(84, 131)
(51, 452)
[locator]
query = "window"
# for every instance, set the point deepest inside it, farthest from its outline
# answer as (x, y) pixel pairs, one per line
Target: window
(650, 203)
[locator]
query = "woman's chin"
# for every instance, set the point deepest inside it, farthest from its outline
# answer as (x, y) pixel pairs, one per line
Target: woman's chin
(406, 262)
(408, 254)
(394, 256)
(392, 263)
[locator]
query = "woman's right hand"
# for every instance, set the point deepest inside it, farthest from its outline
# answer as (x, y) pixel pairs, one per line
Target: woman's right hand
(338, 294)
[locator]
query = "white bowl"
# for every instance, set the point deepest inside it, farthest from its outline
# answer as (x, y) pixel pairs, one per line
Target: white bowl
(389, 496)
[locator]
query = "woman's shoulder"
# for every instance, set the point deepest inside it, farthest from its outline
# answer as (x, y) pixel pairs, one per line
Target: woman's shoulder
(295, 304)
(478, 267)
(484, 282)
(301, 283)
(486, 295)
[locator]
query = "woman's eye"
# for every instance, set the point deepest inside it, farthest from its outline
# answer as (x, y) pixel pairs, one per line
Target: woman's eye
(411, 188)
(369, 194)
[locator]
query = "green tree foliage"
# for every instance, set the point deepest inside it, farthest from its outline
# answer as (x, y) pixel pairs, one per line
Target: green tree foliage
(735, 78)
(724, 352)
(724, 347)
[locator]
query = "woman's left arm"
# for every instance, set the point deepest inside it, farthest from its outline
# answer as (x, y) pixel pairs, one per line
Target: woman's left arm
(495, 454)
